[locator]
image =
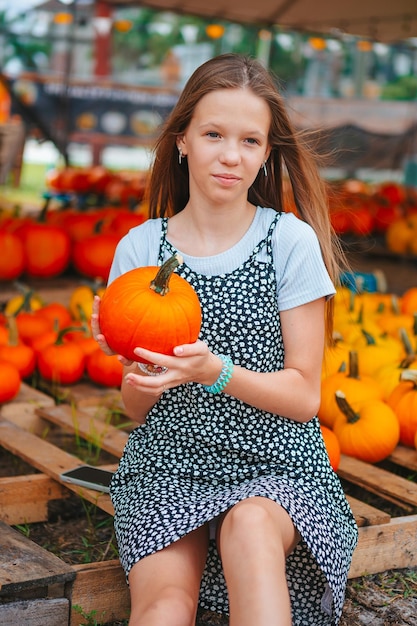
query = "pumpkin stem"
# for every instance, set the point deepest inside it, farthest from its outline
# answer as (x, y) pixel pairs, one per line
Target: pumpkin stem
(13, 334)
(345, 407)
(27, 296)
(409, 376)
(410, 354)
(370, 339)
(353, 365)
(161, 280)
(415, 324)
(395, 304)
(69, 329)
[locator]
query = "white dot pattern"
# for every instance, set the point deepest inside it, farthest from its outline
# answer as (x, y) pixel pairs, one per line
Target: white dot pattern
(199, 454)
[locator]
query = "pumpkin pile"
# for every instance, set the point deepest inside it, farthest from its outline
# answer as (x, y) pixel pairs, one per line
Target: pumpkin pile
(86, 212)
(47, 245)
(52, 342)
(385, 211)
(369, 376)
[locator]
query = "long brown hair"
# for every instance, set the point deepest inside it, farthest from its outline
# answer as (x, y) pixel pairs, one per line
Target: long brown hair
(291, 157)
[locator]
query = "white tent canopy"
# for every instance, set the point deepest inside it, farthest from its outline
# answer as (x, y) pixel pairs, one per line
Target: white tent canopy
(381, 20)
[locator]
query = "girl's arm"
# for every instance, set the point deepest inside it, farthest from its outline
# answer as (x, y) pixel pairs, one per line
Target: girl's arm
(137, 405)
(293, 392)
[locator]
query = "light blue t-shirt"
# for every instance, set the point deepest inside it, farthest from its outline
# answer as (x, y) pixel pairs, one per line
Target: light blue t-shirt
(301, 274)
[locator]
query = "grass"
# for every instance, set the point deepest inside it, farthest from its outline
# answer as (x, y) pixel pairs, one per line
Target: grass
(29, 192)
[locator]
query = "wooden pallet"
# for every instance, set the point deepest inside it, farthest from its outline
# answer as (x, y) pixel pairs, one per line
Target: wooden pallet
(385, 542)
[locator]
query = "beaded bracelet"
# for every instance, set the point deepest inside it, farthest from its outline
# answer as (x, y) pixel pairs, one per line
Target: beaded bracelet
(224, 376)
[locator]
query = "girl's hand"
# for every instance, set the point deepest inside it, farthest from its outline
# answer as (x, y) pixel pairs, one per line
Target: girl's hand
(190, 363)
(99, 337)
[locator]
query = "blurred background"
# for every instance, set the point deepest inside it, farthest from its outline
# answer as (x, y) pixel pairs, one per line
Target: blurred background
(85, 82)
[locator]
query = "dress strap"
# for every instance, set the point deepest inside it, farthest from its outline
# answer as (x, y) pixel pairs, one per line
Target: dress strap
(164, 243)
(267, 240)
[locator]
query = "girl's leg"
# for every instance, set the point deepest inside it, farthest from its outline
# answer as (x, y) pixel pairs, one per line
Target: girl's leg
(255, 537)
(164, 586)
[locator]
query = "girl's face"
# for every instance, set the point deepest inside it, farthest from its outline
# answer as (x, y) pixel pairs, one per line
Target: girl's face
(226, 144)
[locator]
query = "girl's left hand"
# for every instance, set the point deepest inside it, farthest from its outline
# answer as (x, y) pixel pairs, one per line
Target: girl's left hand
(190, 363)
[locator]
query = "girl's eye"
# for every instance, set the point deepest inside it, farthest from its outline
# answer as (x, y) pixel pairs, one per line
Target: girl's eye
(252, 141)
(213, 134)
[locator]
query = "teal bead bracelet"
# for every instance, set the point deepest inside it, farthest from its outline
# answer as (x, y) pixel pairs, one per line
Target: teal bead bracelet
(224, 376)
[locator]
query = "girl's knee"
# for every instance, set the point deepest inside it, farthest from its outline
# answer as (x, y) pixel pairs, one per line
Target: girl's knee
(172, 607)
(255, 522)
(251, 516)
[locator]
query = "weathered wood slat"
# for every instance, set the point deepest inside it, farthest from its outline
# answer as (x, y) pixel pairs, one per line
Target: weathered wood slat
(25, 565)
(101, 587)
(24, 499)
(384, 547)
(405, 457)
(105, 436)
(21, 410)
(367, 515)
(86, 394)
(393, 488)
(49, 459)
(39, 612)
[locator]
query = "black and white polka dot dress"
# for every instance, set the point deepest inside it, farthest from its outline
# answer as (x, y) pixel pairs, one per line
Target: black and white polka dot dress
(199, 454)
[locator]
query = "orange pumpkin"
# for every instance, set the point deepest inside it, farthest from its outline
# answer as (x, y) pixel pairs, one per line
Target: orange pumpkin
(10, 381)
(403, 400)
(17, 353)
(47, 249)
(152, 308)
(103, 369)
(61, 362)
(370, 433)
(409, 301)
(57, 313)
(12, 257)
(357, 388)
(93, 256)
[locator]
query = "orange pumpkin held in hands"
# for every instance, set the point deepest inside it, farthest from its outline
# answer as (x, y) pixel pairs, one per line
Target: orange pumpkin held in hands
(152, 308)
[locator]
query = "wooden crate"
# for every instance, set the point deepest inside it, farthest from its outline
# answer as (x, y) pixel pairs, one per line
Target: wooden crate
(385, 541)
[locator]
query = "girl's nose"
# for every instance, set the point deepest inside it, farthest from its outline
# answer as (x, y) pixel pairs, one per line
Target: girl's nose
(230, 155)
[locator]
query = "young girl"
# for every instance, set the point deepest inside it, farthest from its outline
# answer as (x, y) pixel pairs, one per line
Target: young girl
(225, 494)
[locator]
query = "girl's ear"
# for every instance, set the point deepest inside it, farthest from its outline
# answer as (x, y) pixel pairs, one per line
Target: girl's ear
(267, 153)
(181, 144)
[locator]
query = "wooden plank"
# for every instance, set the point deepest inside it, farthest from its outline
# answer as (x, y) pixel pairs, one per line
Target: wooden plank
(389, 546)
(105, 436)
(393, 488)
(26, 565)
(38, 612)
(405, 457)
(24, 499)
(21, 410)
(88, 394)
(50, 460)
(101, 587)
(367, 515)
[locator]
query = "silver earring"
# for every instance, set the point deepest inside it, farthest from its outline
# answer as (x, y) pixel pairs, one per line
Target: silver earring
(264, 168)
(179, 156)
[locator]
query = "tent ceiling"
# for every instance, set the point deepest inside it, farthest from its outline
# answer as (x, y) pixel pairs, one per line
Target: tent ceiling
(382, 20)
